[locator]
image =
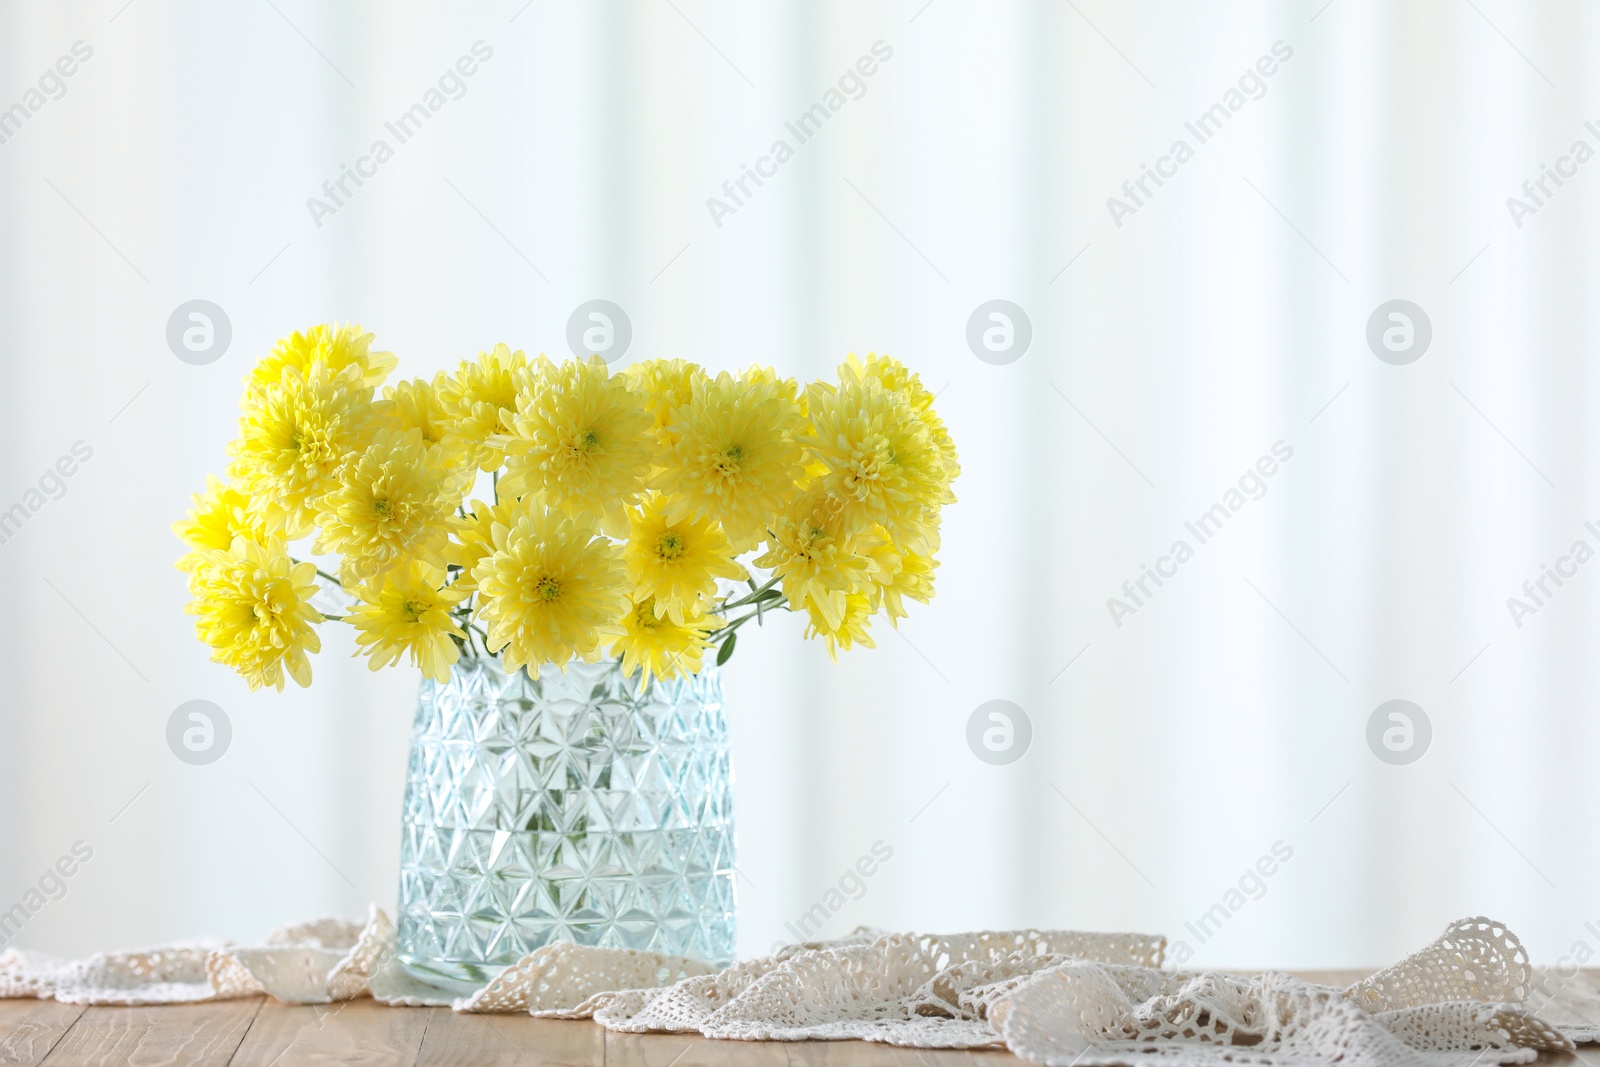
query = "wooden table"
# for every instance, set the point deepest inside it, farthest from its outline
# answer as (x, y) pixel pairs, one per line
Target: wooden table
(259, 1032)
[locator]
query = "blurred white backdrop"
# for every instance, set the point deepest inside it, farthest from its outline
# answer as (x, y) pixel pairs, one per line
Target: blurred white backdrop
(1171, 347)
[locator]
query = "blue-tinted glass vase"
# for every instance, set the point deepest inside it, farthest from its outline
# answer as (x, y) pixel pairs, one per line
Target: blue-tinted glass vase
(583, 806)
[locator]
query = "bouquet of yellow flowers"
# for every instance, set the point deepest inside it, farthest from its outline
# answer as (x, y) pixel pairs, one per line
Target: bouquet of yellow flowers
(618, 508)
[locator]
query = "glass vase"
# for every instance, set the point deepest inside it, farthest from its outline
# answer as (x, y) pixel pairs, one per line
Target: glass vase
(583, 806)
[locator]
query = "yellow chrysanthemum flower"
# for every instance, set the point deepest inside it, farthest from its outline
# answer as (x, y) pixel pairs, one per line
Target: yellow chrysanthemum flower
(295, 436)
(838, 490)
(335, 347)
(474, 538)
(219, 515)
(897, 575)
(812, 548)
(253, 608)
(881, 460)
(662, 647)
(737, 457)
(850, 630)
(479, 400)
(552, 589)
(390, 503)
(896, 377)
(676, 564)
(665, 385)
(582, 440)
(405, 613)
(415, 405)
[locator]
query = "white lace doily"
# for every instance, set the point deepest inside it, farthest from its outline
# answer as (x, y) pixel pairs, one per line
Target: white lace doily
(1052, 997)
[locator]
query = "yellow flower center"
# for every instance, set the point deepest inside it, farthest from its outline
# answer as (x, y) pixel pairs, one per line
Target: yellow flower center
(266, 609)
(381, 507)
(669, 546)
(547, 589)
(412, 610)
(866, 466)
(728, 462)
(311, 447)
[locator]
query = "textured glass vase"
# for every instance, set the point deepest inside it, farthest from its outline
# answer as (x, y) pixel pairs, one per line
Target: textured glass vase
(582, 806)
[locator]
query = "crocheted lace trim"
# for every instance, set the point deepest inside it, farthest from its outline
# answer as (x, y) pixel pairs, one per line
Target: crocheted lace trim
(1052, 997)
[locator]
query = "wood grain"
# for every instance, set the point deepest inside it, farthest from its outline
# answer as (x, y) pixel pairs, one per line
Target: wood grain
(29, 1029)
(510, 1041)
(690, 1050)
(190, 1035)
(355, 1031)
(872, 1054)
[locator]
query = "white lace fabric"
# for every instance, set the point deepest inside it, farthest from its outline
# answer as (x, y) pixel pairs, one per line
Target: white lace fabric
(1055, 998)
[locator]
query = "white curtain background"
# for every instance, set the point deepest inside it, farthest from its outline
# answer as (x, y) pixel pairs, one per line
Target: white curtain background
(1229, 312)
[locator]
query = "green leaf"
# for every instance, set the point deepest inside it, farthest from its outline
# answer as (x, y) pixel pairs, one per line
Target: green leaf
(770, 594)
(724, 653)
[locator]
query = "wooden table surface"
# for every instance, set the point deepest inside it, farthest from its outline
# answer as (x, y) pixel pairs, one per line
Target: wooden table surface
(259, 1031)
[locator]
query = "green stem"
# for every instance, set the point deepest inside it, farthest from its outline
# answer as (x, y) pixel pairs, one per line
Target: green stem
(716, 637)
(750, 598)
(483, 639)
